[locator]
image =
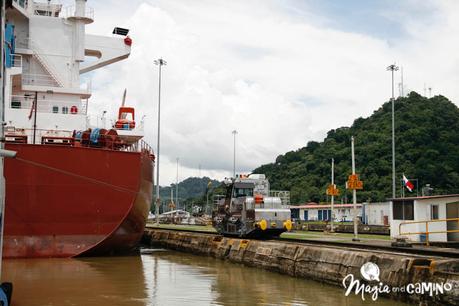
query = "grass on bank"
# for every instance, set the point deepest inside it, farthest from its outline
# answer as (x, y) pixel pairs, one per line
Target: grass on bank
(318, 235)
(290, 235)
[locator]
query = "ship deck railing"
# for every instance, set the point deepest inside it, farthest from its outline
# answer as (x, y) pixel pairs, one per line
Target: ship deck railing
(65, 137)
(103, 122)
(70, 11)
(17, 60)
(284, 195)
(140, 146)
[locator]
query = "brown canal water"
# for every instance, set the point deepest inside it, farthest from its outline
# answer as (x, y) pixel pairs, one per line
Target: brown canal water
(163, 278)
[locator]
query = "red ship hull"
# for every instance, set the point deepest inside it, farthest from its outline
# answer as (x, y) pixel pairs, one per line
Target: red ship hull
(64, 201)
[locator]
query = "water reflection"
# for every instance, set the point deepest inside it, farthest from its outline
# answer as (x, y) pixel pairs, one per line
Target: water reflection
(162, 278)
(93, 281)
(226, 283)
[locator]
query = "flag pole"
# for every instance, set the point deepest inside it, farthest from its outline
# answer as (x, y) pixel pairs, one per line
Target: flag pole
(403, 186)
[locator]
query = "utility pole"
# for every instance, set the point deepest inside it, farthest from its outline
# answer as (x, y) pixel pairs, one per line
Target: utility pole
(332, 195)
(172, 200)
(430, 92)
(354, 194)
(207, 201)
(176, 186)
(234, 153)
(160, 62)
(393, 68)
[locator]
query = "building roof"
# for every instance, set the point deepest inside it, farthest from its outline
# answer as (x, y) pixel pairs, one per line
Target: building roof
(426, 197)
(318, 206)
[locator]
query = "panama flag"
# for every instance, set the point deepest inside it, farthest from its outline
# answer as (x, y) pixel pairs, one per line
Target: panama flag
(408, 184)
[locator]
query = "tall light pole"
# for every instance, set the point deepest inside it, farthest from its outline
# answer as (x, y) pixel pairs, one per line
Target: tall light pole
(393, 68)
(176, 186)
(234, 153)
(160, 62)
(332, 195)
(354, 194)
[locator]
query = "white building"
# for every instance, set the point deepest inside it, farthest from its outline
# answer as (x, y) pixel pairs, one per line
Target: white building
(376, 213)
(411, 216)
(322, 212)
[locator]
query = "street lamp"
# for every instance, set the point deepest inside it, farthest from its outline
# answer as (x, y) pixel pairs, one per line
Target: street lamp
(234, 153)
(393, 68)
(160, 62)
(176, 186)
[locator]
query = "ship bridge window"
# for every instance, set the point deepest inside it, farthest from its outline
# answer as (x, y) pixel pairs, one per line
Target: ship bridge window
(46, 13)
(16, 104)
(65, 110)
(243, 192)
(55, 109)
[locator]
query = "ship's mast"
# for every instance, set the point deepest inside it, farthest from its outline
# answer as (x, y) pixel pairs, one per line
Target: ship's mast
(79, 23)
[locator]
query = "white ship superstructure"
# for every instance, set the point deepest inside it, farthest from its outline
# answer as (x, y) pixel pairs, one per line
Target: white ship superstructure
(47, 51)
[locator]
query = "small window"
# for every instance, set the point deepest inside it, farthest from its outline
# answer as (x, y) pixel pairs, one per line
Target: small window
(434, 212)
(243, 192)
(55, 109)
(295, 213)
(403, 210)
(324, 214)
(65, 110)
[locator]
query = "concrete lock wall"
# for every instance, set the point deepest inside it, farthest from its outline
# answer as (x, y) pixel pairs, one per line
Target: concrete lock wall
(324, 264)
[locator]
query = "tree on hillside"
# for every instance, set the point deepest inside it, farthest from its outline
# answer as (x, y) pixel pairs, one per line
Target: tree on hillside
(427, 142)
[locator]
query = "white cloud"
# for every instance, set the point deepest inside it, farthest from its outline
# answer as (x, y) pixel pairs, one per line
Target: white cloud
(249, 66)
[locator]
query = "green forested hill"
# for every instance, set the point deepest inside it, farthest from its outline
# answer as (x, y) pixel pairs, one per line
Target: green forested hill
(427, 148)
(190, 188)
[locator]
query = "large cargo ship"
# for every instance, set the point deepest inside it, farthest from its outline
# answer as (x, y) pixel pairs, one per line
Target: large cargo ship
(77, 186)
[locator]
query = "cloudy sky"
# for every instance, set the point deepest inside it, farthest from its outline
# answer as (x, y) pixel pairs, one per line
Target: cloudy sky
(281, 72)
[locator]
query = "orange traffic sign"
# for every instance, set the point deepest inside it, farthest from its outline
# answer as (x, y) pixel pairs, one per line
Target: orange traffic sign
(332, 190)
(354, 182)
(353, 178)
